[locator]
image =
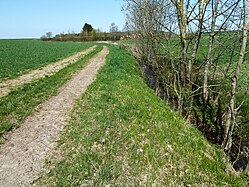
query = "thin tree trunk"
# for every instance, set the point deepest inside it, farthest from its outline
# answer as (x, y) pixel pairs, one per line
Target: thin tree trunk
(231, 119)
(182, 26)
(210, 48)
(197, 38)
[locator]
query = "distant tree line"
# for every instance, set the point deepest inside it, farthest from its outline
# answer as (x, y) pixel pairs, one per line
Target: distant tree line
(88, 33)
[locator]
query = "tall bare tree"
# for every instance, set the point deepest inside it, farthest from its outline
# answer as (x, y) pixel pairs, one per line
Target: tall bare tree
(232, 111)
(210, 48)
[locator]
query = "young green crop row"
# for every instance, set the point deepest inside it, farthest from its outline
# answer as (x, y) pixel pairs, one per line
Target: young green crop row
(18, 57)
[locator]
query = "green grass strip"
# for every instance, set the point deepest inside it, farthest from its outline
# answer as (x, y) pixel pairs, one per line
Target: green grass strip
(20, 103)
(122, 134)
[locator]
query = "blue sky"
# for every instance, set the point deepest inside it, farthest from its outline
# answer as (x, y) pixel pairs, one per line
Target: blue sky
(33, 18)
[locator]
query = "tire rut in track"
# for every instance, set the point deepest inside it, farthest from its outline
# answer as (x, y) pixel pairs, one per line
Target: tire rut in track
(22, 156)
(50, 69)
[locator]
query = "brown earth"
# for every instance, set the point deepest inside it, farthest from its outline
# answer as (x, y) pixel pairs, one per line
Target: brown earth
(7, 86)
(22, 156)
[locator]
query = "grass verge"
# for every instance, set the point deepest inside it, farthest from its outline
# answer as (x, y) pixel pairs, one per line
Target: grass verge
(122, 134)
(21, 102)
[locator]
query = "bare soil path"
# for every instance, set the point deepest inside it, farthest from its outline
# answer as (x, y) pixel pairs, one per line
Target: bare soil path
(22, 156)
(50, 69)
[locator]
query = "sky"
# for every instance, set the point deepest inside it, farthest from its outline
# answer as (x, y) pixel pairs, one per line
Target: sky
(34, 18)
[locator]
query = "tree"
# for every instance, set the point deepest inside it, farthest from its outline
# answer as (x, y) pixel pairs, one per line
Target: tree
(113, 28)
(232, 112)
(87, 28)
(94, 35)
(49, 35)
(210, 48)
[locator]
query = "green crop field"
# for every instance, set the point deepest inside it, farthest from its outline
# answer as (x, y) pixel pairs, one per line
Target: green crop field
(21, 102)
(18, 57)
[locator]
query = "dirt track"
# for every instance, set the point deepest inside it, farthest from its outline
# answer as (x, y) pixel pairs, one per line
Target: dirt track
(6, 86)
(22, 156)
